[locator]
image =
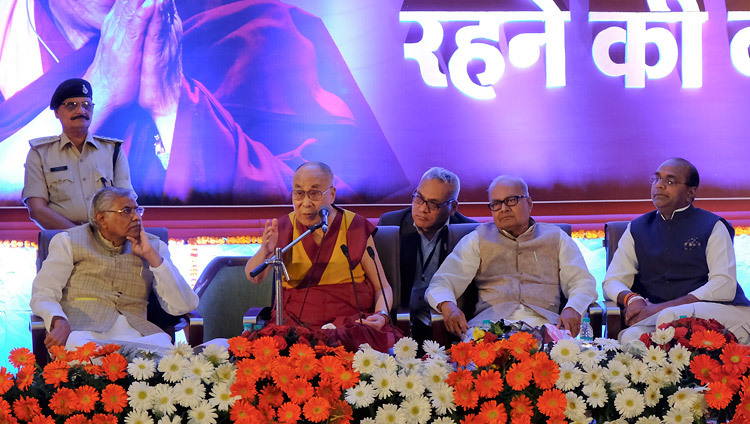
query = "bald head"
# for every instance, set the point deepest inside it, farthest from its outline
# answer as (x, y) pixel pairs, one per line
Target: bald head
(510, 181)
(692, 178)
(316, 166)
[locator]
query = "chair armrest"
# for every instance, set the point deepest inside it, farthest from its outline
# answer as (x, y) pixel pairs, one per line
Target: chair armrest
(615, 319)
(194, 328)
(38, 333)
(256, 316)
(403, 319)
(598, 315)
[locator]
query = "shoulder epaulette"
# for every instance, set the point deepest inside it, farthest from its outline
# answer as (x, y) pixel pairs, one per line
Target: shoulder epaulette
(43, 140)
(109, 139)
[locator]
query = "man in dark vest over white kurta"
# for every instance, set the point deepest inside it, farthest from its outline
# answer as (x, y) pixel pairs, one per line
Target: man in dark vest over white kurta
(520, 268)
(677, 261)
(96, 280)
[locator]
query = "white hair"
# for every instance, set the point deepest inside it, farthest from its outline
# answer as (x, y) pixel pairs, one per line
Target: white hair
(519, 182)
(104, 199)
(445, 176)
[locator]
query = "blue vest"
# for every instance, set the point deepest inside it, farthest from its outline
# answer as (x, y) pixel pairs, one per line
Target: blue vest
(671, 254)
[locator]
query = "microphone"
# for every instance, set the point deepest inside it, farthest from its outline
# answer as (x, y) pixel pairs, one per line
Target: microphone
(345, 249)
(371, 252)
(323, 212)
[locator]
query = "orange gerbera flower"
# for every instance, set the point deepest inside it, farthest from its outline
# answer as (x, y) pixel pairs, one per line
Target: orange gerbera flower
(21, 357)
(83, 353)
(60, 353)
(743, 409)
(289, 413)
(265, 347)
(546, 373)
(735, 358)
(461, 353)
(552, 403)
(718, 395)
(307, 368)
(271, 395)
(317, 409)
(483, 354)
(471, 419)
(56, 373)
(707, 339)
(345, 377)
(489, 383)
(701, 367)
(239, 346)
(114, 398)
(77, 419)
(301, 351)
(64, 401)
(87, 397)
(518, 376)
(26, 408)
(5, 408)
(521, 407)
(328, 365)
(299, 391)
(521, 343)
(730, 379)
(107, 349)
(104, 419)
(465, 396)
(115, 366)
(42, 419)
(25, 377)
(459, 376)
(283, 375)
(493, 413)
(93, 369)
(244, 389)
(328, 390)
(242, 412)
(341, 412)
(6, 380)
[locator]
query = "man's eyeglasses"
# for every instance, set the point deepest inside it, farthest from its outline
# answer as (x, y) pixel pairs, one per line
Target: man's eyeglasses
(670, 181)
(127, 211)
(432, 205)
(314, 195)
(509, 201)
(71, 106)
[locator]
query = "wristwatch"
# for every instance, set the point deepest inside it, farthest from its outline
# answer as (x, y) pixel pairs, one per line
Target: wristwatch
(385, 314)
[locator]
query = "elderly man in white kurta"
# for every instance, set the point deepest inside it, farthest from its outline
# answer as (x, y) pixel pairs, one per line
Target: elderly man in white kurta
(96, 280)
(520, 268)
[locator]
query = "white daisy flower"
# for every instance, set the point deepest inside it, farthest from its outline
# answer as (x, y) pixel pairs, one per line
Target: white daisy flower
(655, 377)
(625, 358)
(189, 392)
(678, 416)
(181, 349)
(365, 361)
(416, 410)
(175, 419)
(173, 368)
(629, 403)
(405, 348)
(652, 395)
(680, 356)
(442, 399)
(384, 382)
(617, 421)
(683, 398)
(138, 417)
(615, 370)
(215, 354)
(576, 409)
(662, 335)
(655, 356)
(139, 396)
(221, 396)
(638, 371)
(203, 413)
(593, 375)
(596, 394)
(433, 349)
(570, 377)
(607, 344)
(648, 420)
(409, 365)
(443, 420)
(200, 368)
(590, 357)
(434, 374)
(409, 385)
(225, 373)
(672, 373)
(388, 363)
(619, 384)
(565, 350)
(367, 421)
(635, 348)
(388, 414)
(142, 368)
(361, 395)
(162, 399)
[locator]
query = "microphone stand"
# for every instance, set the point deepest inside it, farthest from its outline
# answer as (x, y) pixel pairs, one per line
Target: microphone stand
(279, 269)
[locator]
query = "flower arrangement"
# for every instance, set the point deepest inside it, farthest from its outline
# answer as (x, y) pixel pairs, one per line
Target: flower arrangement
(98, 384)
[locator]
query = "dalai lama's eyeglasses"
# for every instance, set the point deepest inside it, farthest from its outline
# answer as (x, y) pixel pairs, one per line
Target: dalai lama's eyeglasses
(127, 211)
(314, 195)
(71, 106)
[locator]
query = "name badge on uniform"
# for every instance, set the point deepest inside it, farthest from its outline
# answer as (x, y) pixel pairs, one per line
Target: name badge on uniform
(59, 168)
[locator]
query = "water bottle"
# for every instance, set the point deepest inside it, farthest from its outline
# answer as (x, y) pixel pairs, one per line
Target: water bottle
(586, 333)
(486, 324)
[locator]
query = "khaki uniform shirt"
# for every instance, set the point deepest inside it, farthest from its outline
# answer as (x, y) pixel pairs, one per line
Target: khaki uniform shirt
(68, 179)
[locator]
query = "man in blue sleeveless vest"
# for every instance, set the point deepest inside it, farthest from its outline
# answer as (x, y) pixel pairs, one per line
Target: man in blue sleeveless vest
(677, 260)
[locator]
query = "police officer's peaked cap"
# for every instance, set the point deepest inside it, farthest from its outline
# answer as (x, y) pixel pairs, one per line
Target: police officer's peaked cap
(75, 87)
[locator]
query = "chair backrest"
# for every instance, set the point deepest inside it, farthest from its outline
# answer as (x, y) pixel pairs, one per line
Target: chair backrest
(226, 294)
(613, 231)
(388, 244)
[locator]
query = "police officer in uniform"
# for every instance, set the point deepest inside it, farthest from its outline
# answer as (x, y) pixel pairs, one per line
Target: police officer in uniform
(64, 172)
